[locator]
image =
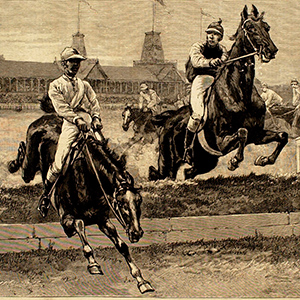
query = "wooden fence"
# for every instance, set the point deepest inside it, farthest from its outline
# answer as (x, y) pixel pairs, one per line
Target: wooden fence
(110, 87)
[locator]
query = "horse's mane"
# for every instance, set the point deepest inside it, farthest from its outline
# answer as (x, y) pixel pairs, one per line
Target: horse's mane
(112, 161)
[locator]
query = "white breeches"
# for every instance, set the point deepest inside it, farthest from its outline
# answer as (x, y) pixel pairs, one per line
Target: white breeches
(199, 85)
(69, 134)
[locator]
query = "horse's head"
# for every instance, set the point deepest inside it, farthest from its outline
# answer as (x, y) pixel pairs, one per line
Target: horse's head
(128, 205)
(255, 32)
(127, 117)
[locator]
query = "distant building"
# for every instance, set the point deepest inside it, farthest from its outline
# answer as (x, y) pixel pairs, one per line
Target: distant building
(162, 75)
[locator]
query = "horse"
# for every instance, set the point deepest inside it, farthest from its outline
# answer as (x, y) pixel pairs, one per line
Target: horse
(145, 125)
(93, 184)
(234, 114)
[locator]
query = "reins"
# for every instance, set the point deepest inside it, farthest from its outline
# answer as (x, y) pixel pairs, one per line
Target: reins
(230, 61)
(117, 215)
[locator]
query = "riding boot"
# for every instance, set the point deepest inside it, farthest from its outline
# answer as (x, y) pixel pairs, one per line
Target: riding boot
(188, 146)
(44, 203)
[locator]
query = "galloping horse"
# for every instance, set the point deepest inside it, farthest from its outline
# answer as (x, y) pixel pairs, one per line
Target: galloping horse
(94, 183)
(234, 114)
(146, 127)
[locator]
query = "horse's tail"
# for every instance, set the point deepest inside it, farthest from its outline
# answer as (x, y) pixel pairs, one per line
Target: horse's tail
(160, 120)
(46, 104)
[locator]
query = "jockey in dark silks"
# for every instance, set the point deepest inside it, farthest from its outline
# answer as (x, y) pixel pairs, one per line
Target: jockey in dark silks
(75, 101)
(204, 58)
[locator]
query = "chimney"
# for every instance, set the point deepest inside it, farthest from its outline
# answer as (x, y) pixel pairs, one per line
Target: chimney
(78, 43)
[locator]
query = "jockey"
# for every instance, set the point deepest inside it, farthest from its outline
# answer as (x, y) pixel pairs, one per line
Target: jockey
(204, 58)
(149, 100)
(75, 101)
(270, 97)
(296, 101)
(296, 92)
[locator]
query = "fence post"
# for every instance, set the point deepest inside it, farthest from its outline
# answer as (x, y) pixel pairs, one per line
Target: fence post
(298, 154)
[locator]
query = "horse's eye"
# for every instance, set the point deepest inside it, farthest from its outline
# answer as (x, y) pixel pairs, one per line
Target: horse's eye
(251, 28)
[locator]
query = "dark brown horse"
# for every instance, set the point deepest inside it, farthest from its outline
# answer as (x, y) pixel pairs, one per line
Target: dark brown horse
(94, 184)
(235, 112)
(146, 127)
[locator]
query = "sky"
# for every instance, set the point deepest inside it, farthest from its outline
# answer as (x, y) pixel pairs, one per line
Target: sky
(38, 30)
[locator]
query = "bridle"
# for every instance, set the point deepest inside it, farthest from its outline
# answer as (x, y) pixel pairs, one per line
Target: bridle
(248, 37)
(256, 51)
(112, 202)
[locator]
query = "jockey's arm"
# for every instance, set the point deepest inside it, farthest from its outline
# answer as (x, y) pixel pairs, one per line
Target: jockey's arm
(62, 108)
(141, 102)
(94, 103)
(155, 100)
(198, 60)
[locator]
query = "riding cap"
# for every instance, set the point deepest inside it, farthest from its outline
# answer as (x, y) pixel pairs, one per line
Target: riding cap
(215, 27)
(143, 86)
(294, 81)
(71, 53)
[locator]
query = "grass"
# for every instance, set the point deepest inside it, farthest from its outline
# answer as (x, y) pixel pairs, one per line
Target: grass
(222, 196)
(36, 262)
(165, 199)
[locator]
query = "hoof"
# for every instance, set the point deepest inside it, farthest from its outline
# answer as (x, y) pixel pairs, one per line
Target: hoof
(261, 161)
(233, 164)
(153, 174)
(94, 269)
(145, 287)
(13, 166)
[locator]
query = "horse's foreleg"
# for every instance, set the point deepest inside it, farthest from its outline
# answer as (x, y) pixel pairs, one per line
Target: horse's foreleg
(266, 137)
(93, 266)
(14, 165)
(110, 231)
(230, 143)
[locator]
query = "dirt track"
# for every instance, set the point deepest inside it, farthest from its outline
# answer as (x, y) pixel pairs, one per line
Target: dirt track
(174, 271)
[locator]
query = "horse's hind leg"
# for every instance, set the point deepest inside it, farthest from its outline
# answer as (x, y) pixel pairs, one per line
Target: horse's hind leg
(239, 156)
(231, 142)
(110, 231)
(267, 137)
(93, 266)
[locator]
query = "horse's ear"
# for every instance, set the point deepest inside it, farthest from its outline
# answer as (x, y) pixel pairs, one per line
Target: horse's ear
(244, 13)
(254, 11)
(129, 178)
(122, 159)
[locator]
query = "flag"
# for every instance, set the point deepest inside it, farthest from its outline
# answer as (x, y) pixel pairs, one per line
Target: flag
(161, 2)
(90, 6)
(206, 14)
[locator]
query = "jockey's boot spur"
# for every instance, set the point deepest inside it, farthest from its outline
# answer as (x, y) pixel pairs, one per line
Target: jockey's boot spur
(44, 203)
(188, 147)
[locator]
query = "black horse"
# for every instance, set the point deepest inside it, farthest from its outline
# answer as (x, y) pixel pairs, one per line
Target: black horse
(146, 127)
(94, 183)
(235, 112)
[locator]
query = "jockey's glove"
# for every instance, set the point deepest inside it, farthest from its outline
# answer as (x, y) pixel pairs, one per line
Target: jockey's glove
(82, 125)
(96, 124)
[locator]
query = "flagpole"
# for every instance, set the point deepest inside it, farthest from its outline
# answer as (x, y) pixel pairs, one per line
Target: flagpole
(201, 21)
(153, 21)
(78, 25)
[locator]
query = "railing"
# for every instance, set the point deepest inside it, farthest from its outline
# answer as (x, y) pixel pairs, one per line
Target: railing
(111, 87)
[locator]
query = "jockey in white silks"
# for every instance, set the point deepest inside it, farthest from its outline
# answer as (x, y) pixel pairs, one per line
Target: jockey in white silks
(75, 101)
(204, 58)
